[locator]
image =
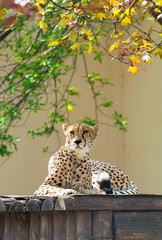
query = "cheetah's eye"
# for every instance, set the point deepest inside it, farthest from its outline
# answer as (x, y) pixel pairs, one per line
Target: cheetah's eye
(85, 131)
(72, 132)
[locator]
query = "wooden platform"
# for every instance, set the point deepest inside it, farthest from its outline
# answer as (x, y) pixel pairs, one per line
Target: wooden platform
(81, 217)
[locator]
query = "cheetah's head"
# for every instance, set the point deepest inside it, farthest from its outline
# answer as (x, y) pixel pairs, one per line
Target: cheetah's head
(80, 137)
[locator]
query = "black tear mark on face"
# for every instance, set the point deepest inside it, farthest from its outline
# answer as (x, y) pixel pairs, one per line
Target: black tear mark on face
(84, 132)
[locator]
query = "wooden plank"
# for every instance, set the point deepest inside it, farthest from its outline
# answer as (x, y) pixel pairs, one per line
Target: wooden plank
(19, 226)
(7, 231)
(102, 225)
(17, 206)
(110, 202)
(14, 226)
(34, 226)
(71, 227)
(84, 225)
(48, 204)
(23, 226)
(64, 203)
(2, 206)
(17, 196)
(33, 205)
(2, 225)
(84, 202)
(59, 225)
(138, 226)
(46, 228)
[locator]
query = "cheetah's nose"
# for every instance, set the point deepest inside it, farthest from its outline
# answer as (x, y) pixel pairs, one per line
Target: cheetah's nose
(78, 141)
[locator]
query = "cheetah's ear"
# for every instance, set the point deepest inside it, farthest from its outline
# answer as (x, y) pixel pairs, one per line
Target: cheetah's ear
(64, 128)
(96, 128)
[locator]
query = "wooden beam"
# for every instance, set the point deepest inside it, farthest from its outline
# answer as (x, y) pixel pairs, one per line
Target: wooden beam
(110, 202)
(138, 225)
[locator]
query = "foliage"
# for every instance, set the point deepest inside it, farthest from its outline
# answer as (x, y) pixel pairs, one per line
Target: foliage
(38, 36)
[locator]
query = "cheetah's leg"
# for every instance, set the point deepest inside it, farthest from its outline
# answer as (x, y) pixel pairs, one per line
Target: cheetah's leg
(82, 190)
(48, 190)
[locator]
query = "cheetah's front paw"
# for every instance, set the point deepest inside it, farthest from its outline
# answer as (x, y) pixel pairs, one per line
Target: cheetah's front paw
(69, 192)
(94, 191)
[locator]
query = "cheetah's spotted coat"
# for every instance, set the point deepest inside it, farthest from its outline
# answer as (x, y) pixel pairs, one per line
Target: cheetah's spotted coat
(70, 170)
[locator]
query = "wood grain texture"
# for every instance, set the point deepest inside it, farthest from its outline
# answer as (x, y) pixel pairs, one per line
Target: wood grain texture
(19, 226)
(2, 206)
(84, 225)
(17, 206)
(71, 226)
(48, 204)
(7, 230)
(102, 225)
(2, 225)
(33, 205)
(138, 225)
(59, 225)
(84, 217)
(34, 226)
(46, 225)
(110, 202)
(82, 202)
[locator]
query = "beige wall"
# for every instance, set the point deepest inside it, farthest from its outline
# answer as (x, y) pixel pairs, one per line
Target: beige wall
(138, 152)
(142, 101)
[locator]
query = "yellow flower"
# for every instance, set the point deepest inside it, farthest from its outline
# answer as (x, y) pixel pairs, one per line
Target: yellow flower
(53, 43)
(157, 51)
(146, 44)
(69, 108)
(40, 9)
(115, 45)
(64, 19)
(133, 69)
(157, 10)
(119, 34)
(89, 49)
(86, 34)
(159, 2)
(73, 36)
(101, 16)
(126, 21)
(116, 11)
(42, 1)
(75, 45)
(135, 59)
(130, 11)
(43, 25)
(64, 37)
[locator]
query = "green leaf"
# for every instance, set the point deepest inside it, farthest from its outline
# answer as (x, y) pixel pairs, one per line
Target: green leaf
(107, 104)
(73, 91)
(120, 121)
(97, 93)
(45, 149)
(89, 121)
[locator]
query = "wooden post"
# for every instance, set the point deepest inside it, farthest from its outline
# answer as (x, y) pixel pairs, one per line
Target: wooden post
(71, 225)
(102, 225)
(34, 226)
(84, 225)
(59, 225)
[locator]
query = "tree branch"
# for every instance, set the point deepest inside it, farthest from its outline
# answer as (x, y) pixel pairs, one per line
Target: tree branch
(5, 34)
(156, 14)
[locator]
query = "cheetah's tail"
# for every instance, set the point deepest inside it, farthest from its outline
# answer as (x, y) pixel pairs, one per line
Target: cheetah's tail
(104, 182)
(132, 190)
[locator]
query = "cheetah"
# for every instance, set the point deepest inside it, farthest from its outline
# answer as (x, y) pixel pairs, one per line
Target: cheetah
(71, 171)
